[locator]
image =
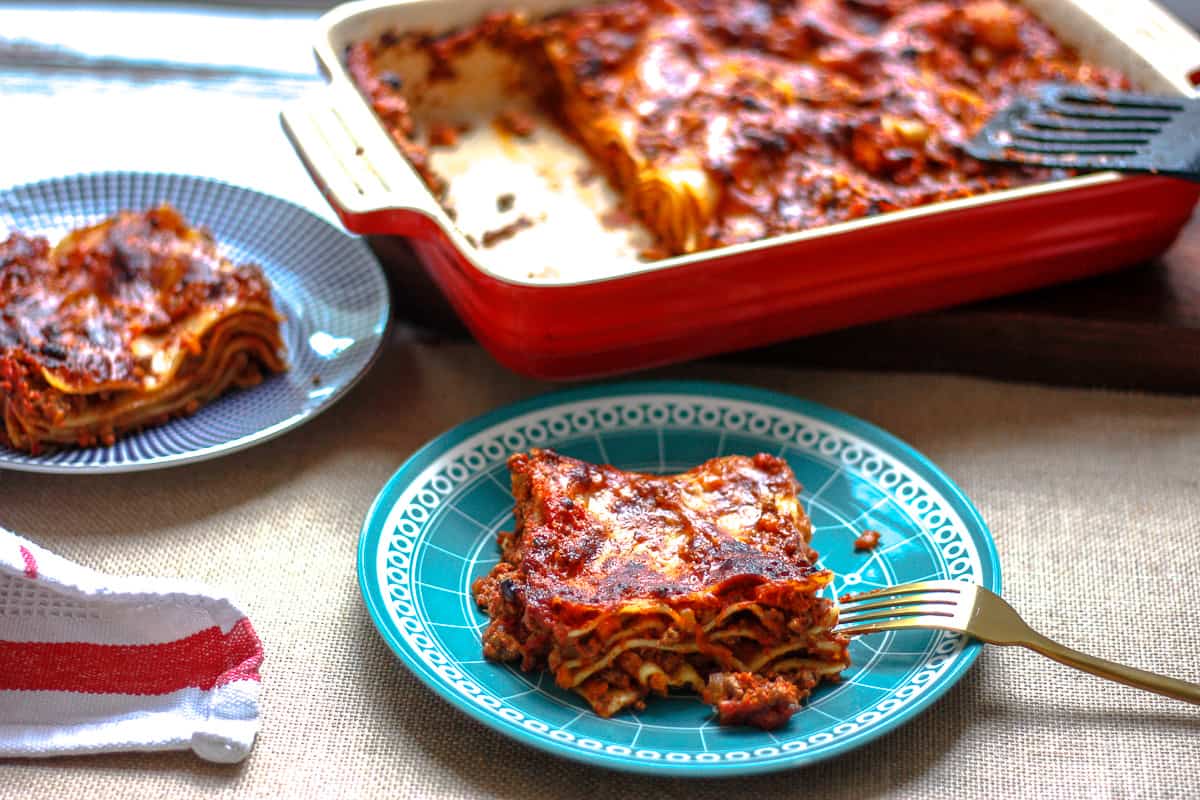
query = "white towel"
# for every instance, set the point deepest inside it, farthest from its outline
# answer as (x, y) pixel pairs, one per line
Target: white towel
(92, 663)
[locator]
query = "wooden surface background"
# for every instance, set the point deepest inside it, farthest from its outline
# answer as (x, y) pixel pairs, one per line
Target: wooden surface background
(197, 88)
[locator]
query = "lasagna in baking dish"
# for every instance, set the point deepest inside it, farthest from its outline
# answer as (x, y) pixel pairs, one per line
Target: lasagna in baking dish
(726, 121)
(626, 585)
(123, 325)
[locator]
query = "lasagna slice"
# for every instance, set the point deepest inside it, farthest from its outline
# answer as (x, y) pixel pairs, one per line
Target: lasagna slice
(122, 325)
(625, 584)
(625, 75)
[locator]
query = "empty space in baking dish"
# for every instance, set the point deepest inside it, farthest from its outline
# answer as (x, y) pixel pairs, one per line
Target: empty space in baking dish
(538, 209)
(533, 203)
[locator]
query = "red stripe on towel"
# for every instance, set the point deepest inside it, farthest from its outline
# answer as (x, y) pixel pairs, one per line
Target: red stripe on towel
(204, 660)
(30, 562)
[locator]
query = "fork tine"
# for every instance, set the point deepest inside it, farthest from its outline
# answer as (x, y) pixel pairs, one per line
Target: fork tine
(936, 598)
(906, 588)
(907, 623)
(910, 612)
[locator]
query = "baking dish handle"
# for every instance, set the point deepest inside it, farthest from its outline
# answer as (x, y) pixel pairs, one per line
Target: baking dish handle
(358, 168)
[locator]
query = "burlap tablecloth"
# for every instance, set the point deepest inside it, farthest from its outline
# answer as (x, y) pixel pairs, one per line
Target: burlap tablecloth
(1094, 500)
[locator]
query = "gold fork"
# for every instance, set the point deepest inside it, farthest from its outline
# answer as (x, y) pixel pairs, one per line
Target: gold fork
(973, 610)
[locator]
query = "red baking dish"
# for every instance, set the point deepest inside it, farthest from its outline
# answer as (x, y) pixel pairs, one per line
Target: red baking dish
(638, 314)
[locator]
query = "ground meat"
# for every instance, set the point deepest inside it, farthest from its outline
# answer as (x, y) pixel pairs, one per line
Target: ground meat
(442, 134)
(510, 230)
(516, 122)
(489, 590)
(742, 698)
(867, 540)
(500, 645)
(616, 218)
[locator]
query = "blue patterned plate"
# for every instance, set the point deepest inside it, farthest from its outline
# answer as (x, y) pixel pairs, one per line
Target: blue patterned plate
(431, 532)
(327, 284)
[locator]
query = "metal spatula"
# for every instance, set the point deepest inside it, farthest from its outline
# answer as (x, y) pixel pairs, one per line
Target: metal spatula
(1070, 126)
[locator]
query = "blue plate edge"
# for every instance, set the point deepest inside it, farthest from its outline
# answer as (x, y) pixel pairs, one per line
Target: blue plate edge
(368, 542)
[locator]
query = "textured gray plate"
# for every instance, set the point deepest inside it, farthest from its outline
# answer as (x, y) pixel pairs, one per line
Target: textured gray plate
(327, 284)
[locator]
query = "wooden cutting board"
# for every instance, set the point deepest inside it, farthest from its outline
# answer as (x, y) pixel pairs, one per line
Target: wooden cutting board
(1134, 329)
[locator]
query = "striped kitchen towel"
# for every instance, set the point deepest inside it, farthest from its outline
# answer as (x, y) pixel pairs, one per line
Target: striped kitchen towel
(92, 663)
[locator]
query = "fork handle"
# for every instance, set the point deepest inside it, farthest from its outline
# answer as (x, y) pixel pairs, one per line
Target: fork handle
(1137, 678)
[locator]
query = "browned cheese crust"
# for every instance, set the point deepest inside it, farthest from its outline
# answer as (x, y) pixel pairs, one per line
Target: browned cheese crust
(626, 584)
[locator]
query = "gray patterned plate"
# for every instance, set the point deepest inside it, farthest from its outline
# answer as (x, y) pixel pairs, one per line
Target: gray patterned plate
(327, 284)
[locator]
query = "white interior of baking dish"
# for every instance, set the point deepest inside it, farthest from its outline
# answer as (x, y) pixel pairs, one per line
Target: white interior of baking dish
(577, 233)
(497, 179)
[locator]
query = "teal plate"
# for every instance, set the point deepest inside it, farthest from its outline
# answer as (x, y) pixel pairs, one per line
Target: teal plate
(432, 531)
